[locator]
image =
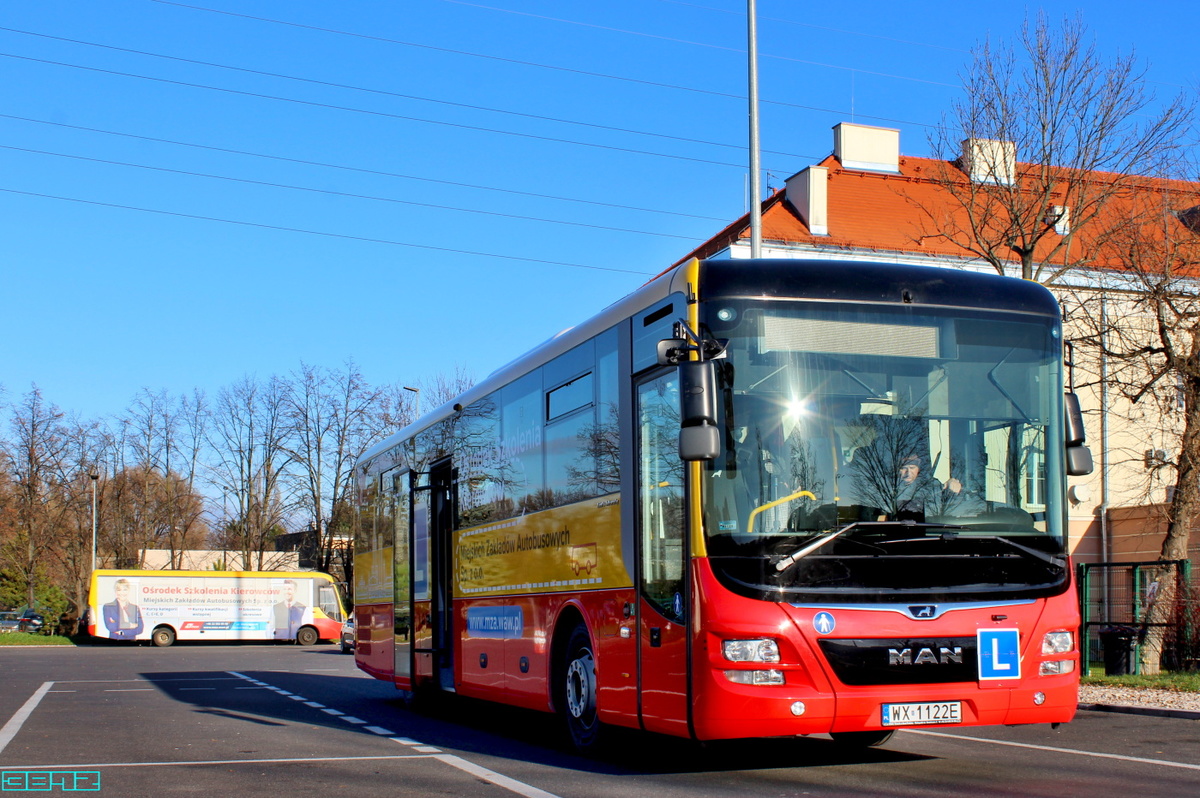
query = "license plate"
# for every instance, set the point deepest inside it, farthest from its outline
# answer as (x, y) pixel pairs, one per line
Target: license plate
(922, 714)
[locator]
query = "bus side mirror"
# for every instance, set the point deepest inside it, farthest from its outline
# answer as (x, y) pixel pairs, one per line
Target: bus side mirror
(1079, 456)
(698, 438)
(1079, 461)
(672, 351)
(1075, 433)
(699, 443)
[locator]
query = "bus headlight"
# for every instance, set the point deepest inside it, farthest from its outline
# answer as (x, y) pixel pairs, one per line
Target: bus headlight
(1058, 643)
(755, 677)
(1057, 667)
(760, 650)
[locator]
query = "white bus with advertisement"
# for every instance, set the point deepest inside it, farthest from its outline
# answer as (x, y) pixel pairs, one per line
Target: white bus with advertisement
(165, 606)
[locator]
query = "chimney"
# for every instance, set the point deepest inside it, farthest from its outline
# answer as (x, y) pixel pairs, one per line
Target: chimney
(990, 161)
(873, 149)
(808, 192)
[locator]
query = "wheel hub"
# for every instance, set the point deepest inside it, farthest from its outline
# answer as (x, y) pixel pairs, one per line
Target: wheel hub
(581, 689)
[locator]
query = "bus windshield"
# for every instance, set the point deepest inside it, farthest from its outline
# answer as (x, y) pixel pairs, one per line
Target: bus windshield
(873, 452)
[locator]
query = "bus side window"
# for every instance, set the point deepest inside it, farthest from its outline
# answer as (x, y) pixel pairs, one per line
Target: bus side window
(328, 601)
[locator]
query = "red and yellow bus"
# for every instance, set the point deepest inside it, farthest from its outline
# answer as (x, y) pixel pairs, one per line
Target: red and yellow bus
(754, 498)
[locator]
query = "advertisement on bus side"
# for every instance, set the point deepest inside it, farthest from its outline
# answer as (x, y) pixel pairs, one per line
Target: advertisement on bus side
(576, 547)
(130, 605)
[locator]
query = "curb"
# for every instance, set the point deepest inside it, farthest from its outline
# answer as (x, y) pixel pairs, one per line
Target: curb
(1157, 712)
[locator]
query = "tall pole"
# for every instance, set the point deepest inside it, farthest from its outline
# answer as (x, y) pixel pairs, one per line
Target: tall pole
(755, 180)
(417, 391)
(95, 479)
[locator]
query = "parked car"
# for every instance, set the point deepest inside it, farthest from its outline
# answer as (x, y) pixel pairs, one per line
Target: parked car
(27, 621)
(348, 636)
(31, 621)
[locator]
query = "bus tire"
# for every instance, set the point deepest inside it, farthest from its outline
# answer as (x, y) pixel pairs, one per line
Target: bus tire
(162, 636)
(576, 698)
(307, 636)
(862, 739)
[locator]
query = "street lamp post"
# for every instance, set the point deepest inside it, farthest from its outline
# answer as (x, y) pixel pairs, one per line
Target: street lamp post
(95, 478)
(755, 178)
(417, 391)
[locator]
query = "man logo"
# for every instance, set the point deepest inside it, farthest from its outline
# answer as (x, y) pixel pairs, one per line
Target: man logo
(921, 611)
(926, 656)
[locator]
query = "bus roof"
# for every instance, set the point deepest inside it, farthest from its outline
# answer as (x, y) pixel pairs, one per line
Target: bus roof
(564, 341)
(843, 280)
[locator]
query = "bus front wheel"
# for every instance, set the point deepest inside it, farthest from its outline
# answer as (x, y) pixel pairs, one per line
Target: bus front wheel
(307, 636)
(577, 691)
(163, 636)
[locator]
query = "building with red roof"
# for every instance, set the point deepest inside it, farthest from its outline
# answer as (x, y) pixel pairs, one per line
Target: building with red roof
(868, 202)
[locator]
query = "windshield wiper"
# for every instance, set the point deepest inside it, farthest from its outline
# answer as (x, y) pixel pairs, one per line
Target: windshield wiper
(1032, 552)
(799, 554)
(1029, 550)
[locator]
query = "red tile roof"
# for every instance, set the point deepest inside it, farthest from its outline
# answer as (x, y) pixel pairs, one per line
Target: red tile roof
(906, 213)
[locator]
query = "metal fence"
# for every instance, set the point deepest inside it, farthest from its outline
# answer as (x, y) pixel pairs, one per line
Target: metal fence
(1115, 600)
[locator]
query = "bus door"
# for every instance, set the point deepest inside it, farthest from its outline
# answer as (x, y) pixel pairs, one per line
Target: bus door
(442, 512)
(401, 486)
(422, 627)
(662, 560)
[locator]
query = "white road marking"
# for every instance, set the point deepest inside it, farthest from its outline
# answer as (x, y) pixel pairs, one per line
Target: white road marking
(500, 780)
(156, 681)
(195, 762)
(519, 787)
(1055, 750)
(16, 721)
(379, 730)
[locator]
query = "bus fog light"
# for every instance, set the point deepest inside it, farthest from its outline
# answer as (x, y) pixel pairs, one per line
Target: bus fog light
(1039, 698)
(1058, 643)
(769, 677)
(759, 650)
(798, 707)
(1057, 667)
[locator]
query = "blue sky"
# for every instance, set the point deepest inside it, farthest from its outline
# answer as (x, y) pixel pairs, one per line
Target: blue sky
(192, 192)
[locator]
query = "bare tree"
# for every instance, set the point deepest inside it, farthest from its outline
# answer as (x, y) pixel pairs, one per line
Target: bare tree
(37, 455)
(400, 405)
(1146, 321)
(247, 434)
(165, 442)
(86, 445)
(1053, 134)
(192, 418)
(331, 417)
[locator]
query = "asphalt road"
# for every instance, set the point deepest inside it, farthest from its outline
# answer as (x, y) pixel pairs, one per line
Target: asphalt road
(281, 719)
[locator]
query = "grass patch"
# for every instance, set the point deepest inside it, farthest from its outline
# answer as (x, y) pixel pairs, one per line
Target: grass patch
(32, 639)
(1183, 681)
